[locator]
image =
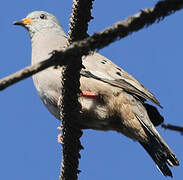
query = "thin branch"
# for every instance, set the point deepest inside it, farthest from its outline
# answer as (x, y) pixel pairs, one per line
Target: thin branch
(172, 127)
(71, 108)
(99, 40)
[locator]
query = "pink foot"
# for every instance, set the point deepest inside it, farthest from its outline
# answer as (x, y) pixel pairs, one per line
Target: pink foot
(88, 94)
(59, 137)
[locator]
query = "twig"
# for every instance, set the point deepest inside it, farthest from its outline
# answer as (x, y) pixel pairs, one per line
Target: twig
(70, 109)
(99, 40)
(173, 127)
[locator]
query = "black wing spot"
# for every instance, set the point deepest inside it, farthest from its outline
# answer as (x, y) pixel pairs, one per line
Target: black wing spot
(118, 73)
(103, 61)
(118, 68)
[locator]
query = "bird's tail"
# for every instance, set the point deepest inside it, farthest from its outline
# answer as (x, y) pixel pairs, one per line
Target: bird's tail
(157, 148)
(161, 154)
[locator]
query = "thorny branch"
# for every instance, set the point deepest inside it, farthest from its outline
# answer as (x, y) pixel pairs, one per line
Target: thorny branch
(79, 20)
(99, 40)
(70, 108)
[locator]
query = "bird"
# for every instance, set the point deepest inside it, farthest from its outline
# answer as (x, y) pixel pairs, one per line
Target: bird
(110, 98)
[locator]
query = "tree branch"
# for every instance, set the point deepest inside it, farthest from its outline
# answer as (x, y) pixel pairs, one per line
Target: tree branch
(71, 108)
(99, 40)
(80, 17)
(172, 127)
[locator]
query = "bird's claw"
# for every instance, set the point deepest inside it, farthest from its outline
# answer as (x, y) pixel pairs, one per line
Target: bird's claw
(88, 94)
(59, 137)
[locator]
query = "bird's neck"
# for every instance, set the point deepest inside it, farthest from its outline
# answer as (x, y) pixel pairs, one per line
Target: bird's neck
(45, 42)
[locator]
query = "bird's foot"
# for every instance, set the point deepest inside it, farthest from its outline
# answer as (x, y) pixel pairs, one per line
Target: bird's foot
(59, 137)
(88, 94)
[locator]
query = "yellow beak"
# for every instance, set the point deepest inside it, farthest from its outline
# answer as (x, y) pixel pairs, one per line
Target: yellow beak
(27, 21)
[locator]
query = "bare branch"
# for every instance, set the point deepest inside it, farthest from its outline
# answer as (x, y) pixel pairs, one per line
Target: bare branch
(99, 40)
(71, 108)
(172, 127)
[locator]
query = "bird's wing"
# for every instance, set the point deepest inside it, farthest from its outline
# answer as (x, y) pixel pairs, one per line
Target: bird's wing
(101, 68)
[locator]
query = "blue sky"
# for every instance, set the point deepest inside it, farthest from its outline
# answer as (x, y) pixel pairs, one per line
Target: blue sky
(28, 133)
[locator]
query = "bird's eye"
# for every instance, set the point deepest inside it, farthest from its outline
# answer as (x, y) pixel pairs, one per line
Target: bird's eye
(43, 16)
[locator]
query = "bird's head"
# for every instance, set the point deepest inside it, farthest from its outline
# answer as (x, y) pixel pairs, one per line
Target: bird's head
(37, 21)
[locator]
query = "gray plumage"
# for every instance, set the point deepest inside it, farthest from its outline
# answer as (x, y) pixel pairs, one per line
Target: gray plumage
(120, 104)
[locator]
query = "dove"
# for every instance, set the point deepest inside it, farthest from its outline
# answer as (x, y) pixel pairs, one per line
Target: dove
(111, 99)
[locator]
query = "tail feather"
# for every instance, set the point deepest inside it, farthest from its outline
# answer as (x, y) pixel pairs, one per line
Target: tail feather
(153, 114)
(158, 150)
(161, 157)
